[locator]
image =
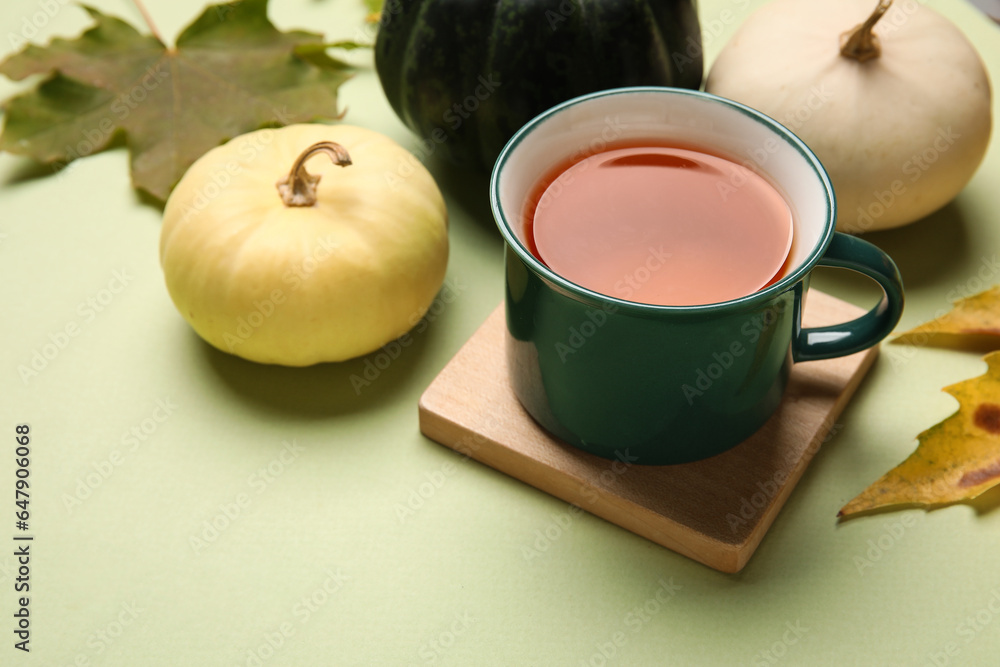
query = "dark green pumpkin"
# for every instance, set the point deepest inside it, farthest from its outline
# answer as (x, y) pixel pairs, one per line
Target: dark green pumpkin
(466, 74)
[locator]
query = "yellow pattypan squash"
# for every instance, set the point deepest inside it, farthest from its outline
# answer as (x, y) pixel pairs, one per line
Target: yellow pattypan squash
(281, 265)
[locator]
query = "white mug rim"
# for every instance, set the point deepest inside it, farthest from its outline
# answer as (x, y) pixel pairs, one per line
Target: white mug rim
(786, 135)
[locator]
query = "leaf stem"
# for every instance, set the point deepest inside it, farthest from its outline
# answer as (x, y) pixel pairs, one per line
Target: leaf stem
(299, 187)
(149, 21)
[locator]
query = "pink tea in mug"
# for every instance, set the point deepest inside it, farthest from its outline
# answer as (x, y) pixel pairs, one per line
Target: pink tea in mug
(661, 225)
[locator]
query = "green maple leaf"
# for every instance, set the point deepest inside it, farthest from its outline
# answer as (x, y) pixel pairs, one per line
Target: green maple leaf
(230, 72)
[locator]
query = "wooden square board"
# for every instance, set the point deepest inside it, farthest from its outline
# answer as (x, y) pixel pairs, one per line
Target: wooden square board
(715, 511)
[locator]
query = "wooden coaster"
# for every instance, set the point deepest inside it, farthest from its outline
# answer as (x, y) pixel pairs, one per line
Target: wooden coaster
(715, 511)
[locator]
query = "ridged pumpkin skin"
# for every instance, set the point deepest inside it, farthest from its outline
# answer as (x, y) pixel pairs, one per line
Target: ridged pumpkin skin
(466, 74)
(900, 134)
(302, 285)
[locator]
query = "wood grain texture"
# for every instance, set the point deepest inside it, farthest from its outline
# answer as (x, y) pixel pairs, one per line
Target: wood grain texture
(715, 511)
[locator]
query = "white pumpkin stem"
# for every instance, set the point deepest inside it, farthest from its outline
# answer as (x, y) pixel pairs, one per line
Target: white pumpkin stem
(860, 43)
(299, 187)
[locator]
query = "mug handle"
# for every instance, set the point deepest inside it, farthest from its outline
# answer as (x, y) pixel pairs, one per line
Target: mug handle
(838, 340)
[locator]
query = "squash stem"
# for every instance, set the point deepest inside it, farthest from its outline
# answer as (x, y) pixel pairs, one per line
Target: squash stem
(299, 187)
(860, 43)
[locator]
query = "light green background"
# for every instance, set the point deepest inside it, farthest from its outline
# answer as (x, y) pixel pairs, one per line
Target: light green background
(467, 578)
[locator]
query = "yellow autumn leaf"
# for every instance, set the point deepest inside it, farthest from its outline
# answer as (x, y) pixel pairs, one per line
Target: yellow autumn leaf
(956, 459)
(975, 315)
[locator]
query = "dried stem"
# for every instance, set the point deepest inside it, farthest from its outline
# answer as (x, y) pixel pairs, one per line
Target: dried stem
(860, 43)
(299, 187)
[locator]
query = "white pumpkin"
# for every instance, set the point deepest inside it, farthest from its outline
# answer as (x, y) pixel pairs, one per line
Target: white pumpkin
(296, 272)
(899, 115)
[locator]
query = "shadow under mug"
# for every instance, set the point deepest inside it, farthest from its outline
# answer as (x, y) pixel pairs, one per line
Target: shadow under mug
(670, 384)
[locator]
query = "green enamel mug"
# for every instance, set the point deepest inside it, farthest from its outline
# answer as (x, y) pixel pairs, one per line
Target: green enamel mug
(670, 384)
